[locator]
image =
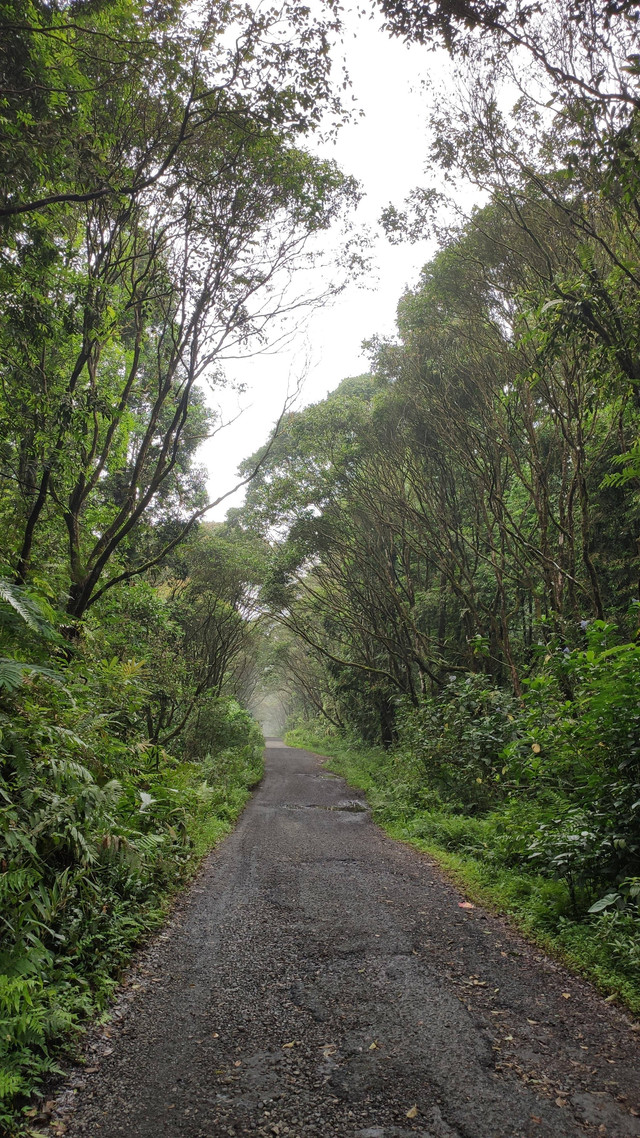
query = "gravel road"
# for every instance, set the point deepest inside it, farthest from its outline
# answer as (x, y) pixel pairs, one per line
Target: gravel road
(321, 981)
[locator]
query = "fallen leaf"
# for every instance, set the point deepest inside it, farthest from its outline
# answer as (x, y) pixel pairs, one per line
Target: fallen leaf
(561, 1102)
(465, 905)
(413, 1113)
(533, 1021)
(508, 1038)
(373, 1046)
(238, 1063)
(294, 1043)
(536, 1118)
(566, 995)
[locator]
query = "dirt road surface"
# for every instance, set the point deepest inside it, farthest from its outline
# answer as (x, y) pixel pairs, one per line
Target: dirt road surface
(321, 981)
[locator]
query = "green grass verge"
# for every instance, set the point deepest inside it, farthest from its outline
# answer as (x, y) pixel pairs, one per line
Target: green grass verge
(604, 949)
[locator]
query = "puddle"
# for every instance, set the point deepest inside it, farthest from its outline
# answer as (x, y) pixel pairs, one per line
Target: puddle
(351, 807)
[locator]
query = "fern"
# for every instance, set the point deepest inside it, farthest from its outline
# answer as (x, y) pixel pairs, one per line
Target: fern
(10, 1084)
(12, 672)
(24, 605)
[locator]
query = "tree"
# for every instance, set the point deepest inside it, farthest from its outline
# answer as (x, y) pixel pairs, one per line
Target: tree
(569, 41)
(102, 101)
(447, 513)
(569, 143)
(119, 302)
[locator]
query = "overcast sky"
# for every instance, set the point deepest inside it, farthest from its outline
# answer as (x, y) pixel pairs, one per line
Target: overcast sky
(385, 150)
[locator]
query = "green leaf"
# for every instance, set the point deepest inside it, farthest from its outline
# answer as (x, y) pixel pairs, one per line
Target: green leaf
(12, 672)
(604, 903)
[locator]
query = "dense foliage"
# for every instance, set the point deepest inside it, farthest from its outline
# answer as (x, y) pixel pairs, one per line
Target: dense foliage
(155, 230)
(455, 534)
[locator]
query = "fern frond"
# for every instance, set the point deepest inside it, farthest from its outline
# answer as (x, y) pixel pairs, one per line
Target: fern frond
(13, 672)
(10, 1084)
(21, 603)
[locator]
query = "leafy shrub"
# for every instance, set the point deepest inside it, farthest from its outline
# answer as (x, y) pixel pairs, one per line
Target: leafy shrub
(619, 933)
(458, 738)
(218, 725)
(582, 756)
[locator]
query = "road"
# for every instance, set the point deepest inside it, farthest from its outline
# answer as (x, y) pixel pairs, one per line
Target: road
(320, 980)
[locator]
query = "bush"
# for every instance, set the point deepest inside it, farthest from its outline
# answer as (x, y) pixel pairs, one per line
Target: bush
(218, 725)
(457, 738)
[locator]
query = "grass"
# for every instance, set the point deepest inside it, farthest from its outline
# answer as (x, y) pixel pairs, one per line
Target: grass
(603, 949)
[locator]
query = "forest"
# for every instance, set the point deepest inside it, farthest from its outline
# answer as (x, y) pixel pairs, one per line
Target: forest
(436, 572)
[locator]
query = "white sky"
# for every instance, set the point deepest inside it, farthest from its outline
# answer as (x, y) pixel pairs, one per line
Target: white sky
(385, 150)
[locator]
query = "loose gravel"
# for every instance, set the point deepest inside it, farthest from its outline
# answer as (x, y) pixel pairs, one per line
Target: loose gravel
(320, 980)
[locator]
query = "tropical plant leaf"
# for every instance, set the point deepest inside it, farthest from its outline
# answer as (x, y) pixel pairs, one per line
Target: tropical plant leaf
(13, 672)
(24, 605)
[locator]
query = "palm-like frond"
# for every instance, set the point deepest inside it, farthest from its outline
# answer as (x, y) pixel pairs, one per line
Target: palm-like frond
(13, 672)
(21, 603)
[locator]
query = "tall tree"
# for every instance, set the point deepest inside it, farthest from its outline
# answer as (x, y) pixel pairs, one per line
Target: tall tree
(194, 204)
